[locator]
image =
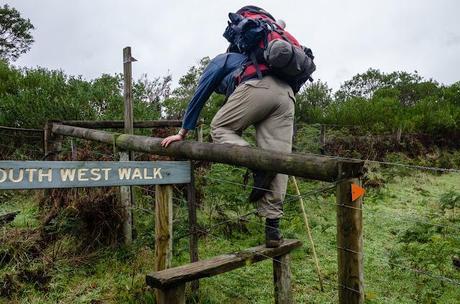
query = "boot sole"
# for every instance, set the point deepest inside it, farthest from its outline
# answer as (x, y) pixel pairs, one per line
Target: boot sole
(273, 243)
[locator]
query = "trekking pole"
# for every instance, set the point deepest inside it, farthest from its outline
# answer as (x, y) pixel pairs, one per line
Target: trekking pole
(307, 225)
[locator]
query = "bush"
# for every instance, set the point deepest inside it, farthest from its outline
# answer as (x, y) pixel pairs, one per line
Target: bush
(30, 97)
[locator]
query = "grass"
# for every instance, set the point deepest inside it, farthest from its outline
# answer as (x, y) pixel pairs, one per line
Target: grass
(410, 236)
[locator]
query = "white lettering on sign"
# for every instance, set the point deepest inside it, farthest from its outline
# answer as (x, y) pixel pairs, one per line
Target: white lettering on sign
(3, 175)
(95, 174)
(124, 173)
(19, 178)
(146, 174)
(31, 172)
(106, 172)
(68, 175)
(137, 173)
(73, 176)
(156, 171)
(41, 175)
(82, 175)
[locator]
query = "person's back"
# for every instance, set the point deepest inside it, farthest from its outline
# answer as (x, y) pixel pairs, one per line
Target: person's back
(265, 102)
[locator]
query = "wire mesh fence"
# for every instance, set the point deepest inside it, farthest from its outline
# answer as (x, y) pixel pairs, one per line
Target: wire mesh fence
(388, 254)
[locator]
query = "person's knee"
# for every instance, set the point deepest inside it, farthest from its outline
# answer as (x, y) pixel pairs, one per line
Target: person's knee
(214, 131)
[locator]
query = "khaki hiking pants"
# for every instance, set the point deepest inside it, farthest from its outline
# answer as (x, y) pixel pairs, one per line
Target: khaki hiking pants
(268, 104)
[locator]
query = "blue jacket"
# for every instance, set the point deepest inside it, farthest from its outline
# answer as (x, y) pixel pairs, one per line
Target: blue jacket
(219, 77)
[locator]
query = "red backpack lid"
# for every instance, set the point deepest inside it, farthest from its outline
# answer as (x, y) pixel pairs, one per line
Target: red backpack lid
(250, 11)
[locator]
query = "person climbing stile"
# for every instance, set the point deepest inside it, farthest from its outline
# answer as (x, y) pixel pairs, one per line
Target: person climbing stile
(259, 93)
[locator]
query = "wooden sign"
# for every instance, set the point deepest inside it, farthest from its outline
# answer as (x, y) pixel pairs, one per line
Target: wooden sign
(76, 174)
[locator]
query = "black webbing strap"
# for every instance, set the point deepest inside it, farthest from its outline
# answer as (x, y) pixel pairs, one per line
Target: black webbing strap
(254, 61)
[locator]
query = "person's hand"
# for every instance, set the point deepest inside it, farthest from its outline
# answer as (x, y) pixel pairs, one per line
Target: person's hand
(170, 139)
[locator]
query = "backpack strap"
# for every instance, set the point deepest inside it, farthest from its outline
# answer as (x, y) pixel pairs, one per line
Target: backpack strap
(253, 58)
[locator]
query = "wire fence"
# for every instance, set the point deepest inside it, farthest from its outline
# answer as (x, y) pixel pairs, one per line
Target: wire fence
(210, 230)
(402, 267)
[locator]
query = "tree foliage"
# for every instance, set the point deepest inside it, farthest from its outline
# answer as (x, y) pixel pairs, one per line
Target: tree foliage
(311, 102)
(30, 97)
(15, 34)
(408, 88)
(374, 100)
(176, 105)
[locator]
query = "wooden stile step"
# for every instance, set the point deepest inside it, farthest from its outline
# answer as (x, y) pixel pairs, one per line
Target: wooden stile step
(207, 268)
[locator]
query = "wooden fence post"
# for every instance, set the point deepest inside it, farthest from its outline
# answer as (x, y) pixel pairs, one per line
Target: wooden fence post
(73, 149)
(322, 139)
(192, 221)
(52, 143)
(163, 226)
(398, 134)
(349, 244)
(282, 279)
(126, 205)
(163, 236)
(199, 133)
(126, 193)
(128, 93)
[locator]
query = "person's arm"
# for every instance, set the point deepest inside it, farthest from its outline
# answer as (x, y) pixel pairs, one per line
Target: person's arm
(208, 82)
(178, 137)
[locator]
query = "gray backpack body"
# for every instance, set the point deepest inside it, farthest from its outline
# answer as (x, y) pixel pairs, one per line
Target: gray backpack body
(287, 60)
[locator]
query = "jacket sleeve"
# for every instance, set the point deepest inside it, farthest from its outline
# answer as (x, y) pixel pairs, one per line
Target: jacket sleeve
(212, 76)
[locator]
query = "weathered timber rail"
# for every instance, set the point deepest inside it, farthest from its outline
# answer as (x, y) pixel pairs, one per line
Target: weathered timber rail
(302, 165)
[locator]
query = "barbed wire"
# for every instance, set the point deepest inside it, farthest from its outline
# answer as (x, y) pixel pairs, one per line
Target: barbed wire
(283, 263)
(209, 230)
(389, 163)
(15, 147)
(260, 188)
(6, 128)
(419, 271)
(39, 137)
(395, 216)
(443, 278)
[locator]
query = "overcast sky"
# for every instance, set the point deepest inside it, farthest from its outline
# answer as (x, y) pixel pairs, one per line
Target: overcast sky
(86, 37)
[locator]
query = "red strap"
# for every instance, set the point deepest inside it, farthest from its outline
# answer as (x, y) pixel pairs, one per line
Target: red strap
(253, 15)
(250, 72)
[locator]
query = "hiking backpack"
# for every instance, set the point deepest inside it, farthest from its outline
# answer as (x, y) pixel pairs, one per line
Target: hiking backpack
(271, 49)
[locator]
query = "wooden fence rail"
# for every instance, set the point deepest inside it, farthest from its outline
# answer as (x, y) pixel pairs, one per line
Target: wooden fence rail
(302, 165)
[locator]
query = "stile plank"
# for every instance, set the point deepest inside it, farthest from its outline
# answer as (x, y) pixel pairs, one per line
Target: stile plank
(217, 265)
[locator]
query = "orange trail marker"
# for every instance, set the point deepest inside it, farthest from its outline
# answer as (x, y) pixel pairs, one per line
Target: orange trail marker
(356, 192)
